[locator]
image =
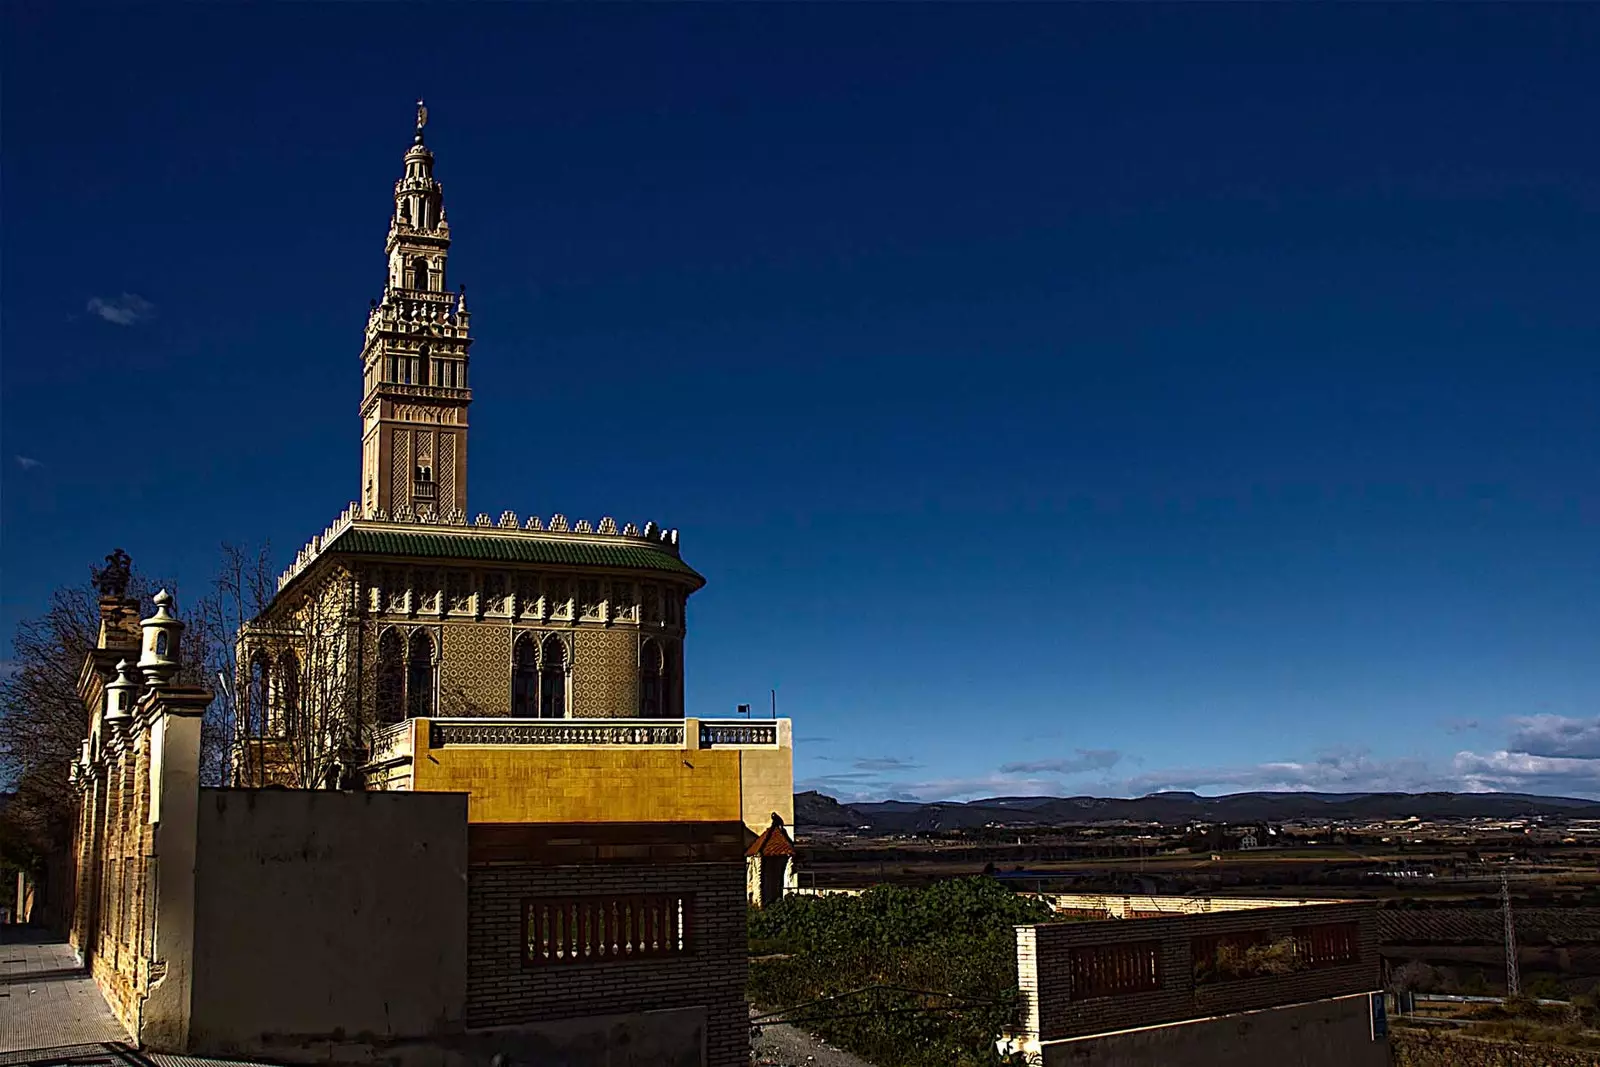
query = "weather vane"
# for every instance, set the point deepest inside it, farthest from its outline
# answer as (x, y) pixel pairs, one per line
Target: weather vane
(422, 114)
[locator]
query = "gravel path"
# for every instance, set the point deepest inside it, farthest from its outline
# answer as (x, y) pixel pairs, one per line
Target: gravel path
(782, 1045)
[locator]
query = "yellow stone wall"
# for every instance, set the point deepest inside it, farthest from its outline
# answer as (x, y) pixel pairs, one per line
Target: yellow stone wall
(611, 783)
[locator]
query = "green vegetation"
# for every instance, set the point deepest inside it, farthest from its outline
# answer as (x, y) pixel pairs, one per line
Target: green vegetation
(1516, 1032)
(1229, 960)
(903, 977)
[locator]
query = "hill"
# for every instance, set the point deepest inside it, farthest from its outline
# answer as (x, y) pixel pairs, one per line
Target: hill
(896, 816)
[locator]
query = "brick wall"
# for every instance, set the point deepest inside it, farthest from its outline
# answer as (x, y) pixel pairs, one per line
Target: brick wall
(502, 990)
(1053, 1009)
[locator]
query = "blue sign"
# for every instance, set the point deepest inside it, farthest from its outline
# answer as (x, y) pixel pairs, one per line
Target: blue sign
(1380, 1018)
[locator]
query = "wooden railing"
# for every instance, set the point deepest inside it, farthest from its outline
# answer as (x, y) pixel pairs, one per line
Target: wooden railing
(1329, 944)
(1114, 970)
(607, 929)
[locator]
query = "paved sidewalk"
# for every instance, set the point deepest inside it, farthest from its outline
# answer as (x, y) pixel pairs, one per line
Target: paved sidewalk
(46, 999)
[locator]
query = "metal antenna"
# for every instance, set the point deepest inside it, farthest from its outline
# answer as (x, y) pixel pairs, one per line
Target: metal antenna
(1513, 978)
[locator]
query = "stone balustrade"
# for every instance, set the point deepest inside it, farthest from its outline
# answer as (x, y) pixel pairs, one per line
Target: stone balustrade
(396, 742)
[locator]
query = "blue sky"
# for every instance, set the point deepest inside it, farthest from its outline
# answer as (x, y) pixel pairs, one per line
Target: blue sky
(1058, 398)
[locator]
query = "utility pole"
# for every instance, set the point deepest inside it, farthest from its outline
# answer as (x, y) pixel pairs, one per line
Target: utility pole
(1513, 978)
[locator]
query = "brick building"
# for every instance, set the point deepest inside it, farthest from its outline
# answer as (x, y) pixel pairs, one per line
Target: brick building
(489, 714)
(1158, 980)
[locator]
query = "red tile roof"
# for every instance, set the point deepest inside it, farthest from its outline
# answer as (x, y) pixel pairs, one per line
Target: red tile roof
(774, 841)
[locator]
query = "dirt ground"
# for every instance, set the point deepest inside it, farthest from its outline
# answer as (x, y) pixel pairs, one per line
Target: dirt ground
(782, 1045)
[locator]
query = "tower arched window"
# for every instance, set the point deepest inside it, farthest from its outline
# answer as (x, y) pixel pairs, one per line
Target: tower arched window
(553, 679)
(391, 677)
(650, 669)
(525, 679)
(419, 675)
(287, 713)
(419, 271)
(258, 696)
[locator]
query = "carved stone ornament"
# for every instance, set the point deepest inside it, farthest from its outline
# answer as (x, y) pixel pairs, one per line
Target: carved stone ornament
(112, 579)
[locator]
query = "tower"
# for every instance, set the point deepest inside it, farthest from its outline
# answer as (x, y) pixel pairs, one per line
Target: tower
(414, 360)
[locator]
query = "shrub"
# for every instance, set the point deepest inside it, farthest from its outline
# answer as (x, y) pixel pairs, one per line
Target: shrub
(923, 977)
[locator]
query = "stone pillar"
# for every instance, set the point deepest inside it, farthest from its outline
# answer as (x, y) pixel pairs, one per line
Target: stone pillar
(174, 810)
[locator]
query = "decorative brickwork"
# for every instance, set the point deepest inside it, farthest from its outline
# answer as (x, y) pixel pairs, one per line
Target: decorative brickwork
(444, 466)
(605, 674)
(400, 473)
(475, 669)
(502, 989)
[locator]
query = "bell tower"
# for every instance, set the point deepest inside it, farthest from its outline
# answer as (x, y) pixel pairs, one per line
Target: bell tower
(414, 362)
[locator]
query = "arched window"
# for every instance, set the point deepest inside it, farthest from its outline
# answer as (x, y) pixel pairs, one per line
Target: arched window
(419, 675)
(671, 690)
(419, 269)
(161, 643)
(553, 679)
(288, 710)
(525, 679)
(391, 677)
(650, 664)
(258, 696)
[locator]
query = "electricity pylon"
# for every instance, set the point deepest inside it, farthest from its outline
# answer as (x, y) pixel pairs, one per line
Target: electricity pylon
(1513, 977)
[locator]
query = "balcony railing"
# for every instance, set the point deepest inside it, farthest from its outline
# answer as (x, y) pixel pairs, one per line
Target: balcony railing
(738, 733)
(392, 744)
(445, 732)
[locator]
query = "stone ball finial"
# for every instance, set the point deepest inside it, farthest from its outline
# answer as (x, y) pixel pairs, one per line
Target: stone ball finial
(120, 696)
(162, 631)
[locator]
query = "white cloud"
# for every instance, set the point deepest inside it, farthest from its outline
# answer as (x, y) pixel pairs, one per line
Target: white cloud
(28, 463)
(1556, 735)
(1341, 771)
(1523, 772)
(1546, 754)
(124, 310)
(1087, 759)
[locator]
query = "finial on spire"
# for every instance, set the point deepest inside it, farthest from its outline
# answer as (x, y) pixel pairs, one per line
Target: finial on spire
(422, 118)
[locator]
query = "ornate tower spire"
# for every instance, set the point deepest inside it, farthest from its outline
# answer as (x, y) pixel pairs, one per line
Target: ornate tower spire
(415, 396)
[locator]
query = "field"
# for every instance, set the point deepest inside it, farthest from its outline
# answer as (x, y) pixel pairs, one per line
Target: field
(1442, 913)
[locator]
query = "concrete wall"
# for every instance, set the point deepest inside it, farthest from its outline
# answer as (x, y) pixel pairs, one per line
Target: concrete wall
(1324, 1033)
(325, 915)
(598, 784)
(1139, 906)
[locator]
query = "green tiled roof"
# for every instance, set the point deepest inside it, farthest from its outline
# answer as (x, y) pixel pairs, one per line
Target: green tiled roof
(501, 548)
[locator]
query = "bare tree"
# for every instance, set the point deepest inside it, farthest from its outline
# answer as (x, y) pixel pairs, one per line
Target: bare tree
(42, 719)
(242, 587)
(302, 719)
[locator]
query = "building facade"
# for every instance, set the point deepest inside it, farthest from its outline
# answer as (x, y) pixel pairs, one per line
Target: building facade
(405, 610)
(489, 713)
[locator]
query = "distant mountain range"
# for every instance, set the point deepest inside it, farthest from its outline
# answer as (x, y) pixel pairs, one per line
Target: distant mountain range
(896, 816)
